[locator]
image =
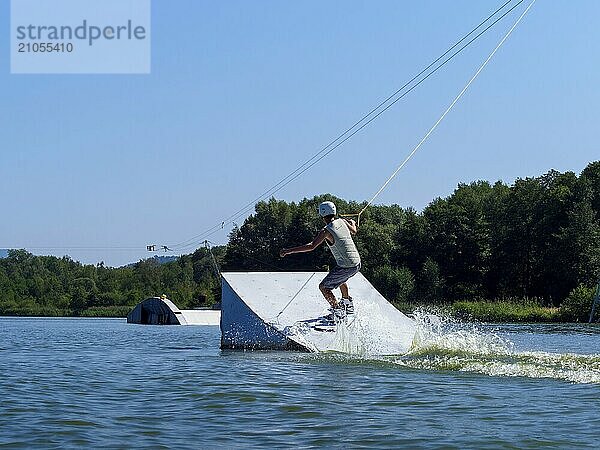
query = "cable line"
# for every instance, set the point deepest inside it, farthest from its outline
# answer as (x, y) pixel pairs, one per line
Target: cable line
(422, 141)
(276, 319)
(372, 118)
(73, 248)
(307, 164)
(357, 126)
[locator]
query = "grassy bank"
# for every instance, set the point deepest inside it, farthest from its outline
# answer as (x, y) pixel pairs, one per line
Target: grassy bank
(106, 311)
(32, 310)
(487, 311)
(575, 308)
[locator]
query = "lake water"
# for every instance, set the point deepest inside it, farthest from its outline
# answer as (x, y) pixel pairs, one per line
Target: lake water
(103, 383)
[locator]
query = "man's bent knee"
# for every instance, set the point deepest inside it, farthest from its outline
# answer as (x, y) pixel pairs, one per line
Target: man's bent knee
(327, 294)
(326, 291)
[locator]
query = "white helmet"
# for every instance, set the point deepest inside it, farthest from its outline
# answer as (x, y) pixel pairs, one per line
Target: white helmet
(327, 209)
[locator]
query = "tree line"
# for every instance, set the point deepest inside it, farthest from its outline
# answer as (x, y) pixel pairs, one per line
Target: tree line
(50, 286)
(536, 239)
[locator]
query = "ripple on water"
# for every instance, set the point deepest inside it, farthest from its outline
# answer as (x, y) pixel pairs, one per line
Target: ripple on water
(116, 388)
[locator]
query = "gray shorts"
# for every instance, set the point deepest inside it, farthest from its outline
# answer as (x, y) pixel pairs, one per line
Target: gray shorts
(338, 276)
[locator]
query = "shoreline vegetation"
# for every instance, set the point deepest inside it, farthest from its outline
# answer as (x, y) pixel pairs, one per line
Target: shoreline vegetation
(526, 252)
(484, 311)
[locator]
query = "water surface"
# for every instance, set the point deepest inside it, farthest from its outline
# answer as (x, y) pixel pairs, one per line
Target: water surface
(103, 383)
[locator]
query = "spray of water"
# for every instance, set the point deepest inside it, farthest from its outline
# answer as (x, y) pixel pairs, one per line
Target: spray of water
(443, 343)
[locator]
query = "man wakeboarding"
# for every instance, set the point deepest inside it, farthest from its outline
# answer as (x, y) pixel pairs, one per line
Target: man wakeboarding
(337, 233)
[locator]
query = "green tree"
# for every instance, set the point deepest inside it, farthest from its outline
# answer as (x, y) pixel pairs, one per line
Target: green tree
(395, 284)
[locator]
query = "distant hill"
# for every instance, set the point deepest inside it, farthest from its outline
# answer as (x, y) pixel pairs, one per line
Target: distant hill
(3, 253)
(158, 259)
(165, 259)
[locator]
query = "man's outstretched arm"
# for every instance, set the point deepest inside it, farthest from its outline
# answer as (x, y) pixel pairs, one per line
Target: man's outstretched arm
(318, 240)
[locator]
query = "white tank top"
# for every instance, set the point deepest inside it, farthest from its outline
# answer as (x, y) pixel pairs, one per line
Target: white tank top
(343, 248)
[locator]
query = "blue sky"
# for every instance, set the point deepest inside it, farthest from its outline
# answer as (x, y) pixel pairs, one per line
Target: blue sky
(242, 92)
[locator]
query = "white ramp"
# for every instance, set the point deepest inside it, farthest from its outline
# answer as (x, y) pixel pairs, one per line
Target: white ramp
(281, 310)
(202, 316)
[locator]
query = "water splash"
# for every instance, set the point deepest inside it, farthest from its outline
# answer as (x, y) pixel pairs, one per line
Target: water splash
(444, 343)
(371, 331)
(436, 331)
(347, 340)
